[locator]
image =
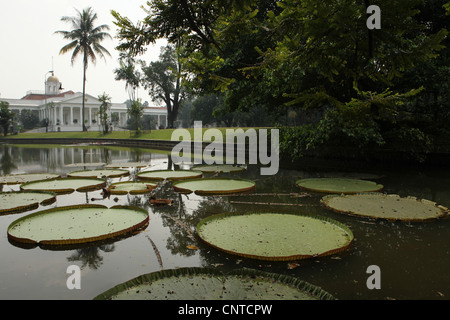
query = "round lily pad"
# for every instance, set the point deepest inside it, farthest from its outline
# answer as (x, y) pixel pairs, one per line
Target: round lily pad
(169, 175)
(26, 177)
(214, 186)
(127, 165)
(132, 187)
(218, 168)
(339, 185)
(76, 224)
(86, 164)
(99, 173)
(211, 284)
(274, 236)
(383, 206)
(20, 201)
(65, 185)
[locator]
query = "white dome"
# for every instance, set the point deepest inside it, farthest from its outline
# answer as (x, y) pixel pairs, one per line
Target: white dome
(53, 79)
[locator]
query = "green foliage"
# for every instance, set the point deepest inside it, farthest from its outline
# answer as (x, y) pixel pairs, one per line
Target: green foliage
(6, 117)
(28, 118)
(368, 89)
(105, 104)
(163, 80)
(135, 112)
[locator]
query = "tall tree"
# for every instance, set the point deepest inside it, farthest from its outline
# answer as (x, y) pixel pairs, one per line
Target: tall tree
(127, 71)
(105, 104)
(6, 117)
(85, 39)
(163, 80)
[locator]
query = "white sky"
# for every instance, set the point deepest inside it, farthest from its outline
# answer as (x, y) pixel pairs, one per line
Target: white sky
(28, 46)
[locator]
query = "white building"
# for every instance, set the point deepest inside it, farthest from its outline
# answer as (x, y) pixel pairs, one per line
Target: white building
(63, 109)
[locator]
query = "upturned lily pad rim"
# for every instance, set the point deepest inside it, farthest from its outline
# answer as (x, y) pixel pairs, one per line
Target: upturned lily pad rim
(71, 242)
(278, 258)
(34, 205)
(215, 192)
(121, 173)
(376, 187)
(293, 282)
(100, 183)
(204, 168)
(149, 188)
(324, 201)
(194, 175)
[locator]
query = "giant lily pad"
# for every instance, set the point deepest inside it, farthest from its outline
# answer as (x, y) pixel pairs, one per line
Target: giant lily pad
(274, 236)
(26, 177)
(65, 185)
(169, 175)
(132, 187)
(15, 202)
(127, 165)
(99, 173)
(76, 224)
(218, 168)
(339, 185)
(211, 284)
(383, 206)
(214, 186)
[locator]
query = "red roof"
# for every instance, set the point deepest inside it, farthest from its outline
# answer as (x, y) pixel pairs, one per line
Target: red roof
(36, 96)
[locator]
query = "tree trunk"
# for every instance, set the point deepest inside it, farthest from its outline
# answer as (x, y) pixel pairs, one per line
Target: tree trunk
(84, 91)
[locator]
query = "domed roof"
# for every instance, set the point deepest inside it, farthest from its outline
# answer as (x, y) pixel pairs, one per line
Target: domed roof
(53, 78)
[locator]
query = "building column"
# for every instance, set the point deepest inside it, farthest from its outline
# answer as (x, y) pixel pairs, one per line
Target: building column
(71, 116)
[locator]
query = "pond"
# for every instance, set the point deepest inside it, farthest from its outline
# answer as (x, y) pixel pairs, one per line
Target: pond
(414, 258)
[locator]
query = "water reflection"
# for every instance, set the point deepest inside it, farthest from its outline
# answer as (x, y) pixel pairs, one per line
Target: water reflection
(413, 258)
(90, 257)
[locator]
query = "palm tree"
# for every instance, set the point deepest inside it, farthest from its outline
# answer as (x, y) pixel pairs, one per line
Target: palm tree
(85, 39)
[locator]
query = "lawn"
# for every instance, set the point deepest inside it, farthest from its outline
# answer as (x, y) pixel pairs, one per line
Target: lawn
(163, 134)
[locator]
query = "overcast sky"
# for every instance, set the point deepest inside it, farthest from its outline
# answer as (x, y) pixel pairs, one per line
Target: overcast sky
(29, 46)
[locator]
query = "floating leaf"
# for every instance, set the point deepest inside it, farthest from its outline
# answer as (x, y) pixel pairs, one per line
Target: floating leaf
(132, 187)
(76, 224)
(65, 185)
(168, 175)
(15, 202)
(293, 265)
(339, 185)
(127, 165)
(99, 173)
(192, 247)
(214, 186)
(211, 284)
(383, 206)
(27, 177)
(274, 236)
(218, 168)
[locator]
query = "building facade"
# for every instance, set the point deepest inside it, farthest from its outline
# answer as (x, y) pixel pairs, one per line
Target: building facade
(63, 109)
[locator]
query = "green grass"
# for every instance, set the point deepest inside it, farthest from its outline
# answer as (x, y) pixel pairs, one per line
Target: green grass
(163, 134)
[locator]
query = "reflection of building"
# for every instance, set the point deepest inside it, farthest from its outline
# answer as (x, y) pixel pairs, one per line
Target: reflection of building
(63, 108)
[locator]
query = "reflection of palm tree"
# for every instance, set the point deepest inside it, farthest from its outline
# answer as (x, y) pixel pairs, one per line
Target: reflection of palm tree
(91, 256)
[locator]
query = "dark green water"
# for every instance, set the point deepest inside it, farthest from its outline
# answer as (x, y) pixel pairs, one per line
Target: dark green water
(414, 258)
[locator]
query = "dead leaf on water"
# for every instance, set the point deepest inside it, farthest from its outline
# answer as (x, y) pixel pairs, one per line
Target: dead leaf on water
(293, 265)
(192, 247)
